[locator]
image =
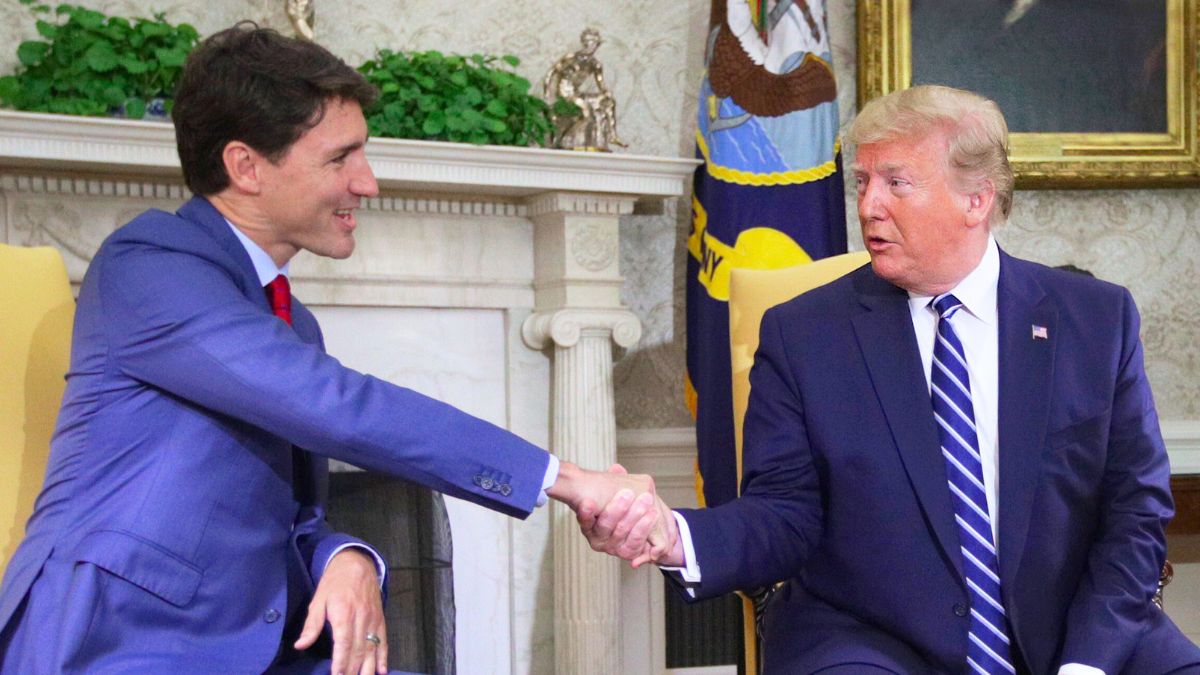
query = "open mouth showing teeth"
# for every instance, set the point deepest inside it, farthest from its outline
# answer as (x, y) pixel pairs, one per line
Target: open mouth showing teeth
(346, 218)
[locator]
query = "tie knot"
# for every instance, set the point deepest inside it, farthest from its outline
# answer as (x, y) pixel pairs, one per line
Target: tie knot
(279, 294)
(946, 305)
(279, 282)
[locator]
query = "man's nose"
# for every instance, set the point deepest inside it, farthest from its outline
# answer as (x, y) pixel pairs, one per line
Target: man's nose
(363, 183)
(869, 207)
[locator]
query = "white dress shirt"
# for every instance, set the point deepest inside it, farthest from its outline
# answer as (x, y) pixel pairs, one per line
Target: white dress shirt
(977, 327)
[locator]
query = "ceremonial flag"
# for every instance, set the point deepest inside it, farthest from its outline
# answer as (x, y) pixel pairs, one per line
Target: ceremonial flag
(768, 195)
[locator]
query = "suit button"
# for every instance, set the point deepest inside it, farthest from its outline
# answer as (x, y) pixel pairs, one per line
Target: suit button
(960, 609)
(271, 616)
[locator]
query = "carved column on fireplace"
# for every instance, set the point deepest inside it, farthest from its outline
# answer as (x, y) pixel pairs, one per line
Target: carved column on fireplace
(578, 312)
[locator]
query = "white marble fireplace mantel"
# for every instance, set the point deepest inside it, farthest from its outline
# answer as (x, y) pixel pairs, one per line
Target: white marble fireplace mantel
(139, 149)
(485, 276)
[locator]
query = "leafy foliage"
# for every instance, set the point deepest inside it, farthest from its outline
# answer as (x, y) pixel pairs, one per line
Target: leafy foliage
(91, 63)
(473, 99)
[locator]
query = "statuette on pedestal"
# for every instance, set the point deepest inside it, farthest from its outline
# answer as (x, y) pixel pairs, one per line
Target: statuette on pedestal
(302, 14)
(578, 78)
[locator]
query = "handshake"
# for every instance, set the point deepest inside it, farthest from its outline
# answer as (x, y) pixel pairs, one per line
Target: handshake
(620, 514)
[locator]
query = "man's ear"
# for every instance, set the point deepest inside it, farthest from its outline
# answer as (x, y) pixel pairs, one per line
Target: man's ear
(980, 203)
(243, 165)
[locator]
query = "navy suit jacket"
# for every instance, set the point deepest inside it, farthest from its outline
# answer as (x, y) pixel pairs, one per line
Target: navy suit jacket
(845, 492)
(169, 526)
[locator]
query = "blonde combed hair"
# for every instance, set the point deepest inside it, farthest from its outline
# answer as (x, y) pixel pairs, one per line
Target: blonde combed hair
(973, 125)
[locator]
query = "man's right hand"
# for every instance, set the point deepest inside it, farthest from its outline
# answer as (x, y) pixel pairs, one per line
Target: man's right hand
(638, 529)
(577, 487)
(613, 530)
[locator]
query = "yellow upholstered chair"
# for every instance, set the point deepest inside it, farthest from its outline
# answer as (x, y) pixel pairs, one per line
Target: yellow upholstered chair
(36, 315)
(751, 294)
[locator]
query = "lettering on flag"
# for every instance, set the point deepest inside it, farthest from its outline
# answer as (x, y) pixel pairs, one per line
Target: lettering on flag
(761, 248)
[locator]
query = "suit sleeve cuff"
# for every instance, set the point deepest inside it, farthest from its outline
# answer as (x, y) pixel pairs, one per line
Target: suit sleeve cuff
(1078, 669)
(689, 573)
(548, 480)
(380, 566)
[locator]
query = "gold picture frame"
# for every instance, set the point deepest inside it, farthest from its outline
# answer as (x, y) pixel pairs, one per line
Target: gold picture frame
(1056, 159)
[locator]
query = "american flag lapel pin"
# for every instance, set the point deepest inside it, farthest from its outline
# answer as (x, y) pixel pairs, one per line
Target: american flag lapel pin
(1040, 333)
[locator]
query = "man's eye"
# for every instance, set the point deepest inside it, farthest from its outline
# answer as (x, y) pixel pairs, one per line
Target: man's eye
(896, 182)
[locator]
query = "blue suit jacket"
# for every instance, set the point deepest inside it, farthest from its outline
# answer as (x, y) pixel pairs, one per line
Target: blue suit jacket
(845, 488)
(168, 525)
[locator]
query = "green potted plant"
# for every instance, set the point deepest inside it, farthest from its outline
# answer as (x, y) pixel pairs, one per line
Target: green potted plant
(88, 63)
(472, 99)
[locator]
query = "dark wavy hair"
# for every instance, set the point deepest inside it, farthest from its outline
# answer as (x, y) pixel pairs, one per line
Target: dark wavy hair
(253, 85)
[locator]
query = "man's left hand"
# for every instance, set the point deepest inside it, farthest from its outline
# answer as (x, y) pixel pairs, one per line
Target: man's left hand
(349, 599)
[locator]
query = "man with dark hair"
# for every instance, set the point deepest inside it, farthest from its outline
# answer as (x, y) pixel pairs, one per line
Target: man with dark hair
(181, 526)
(257, 87)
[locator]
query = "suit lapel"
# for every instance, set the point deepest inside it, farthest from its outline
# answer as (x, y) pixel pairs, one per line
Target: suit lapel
(308, 480)
(889, 347)
(201, 212)
(1026, 371)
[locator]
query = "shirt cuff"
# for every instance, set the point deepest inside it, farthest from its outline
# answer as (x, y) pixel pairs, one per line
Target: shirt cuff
(1078, 669)
(380, 566)
(690, 572)
(551, 476)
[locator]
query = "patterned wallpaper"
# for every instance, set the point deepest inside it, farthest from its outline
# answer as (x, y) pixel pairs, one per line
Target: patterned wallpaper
(653, 53)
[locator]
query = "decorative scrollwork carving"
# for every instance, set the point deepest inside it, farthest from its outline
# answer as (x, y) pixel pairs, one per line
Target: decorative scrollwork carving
(564, 327)
(593, 247)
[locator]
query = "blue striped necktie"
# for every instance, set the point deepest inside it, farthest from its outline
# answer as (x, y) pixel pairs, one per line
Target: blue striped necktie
(988, 641)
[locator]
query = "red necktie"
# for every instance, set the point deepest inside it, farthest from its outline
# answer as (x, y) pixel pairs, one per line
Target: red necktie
(279, 294)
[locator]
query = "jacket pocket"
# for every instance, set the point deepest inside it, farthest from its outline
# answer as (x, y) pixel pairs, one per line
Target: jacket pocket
(142, 563)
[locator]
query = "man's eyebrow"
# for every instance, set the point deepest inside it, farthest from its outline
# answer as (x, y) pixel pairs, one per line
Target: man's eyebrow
(347, 148)
(883, 167)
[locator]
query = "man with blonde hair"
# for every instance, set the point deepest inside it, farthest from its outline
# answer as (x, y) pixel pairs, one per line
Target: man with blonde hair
(951, 455)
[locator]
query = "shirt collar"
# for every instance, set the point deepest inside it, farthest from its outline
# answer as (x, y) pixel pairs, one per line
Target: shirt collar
(264, 266)
(977, 291)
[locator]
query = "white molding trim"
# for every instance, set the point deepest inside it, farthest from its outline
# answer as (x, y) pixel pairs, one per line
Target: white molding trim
(666, 441)
(133, 147)
(567, 202)
(669, 455)
(410, 291)
(1183, 445)
(448, 205)
(139, 149)
(89, 186)
(171, 187)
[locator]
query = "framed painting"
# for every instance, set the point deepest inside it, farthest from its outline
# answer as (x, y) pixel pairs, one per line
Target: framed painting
(1097, 94)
